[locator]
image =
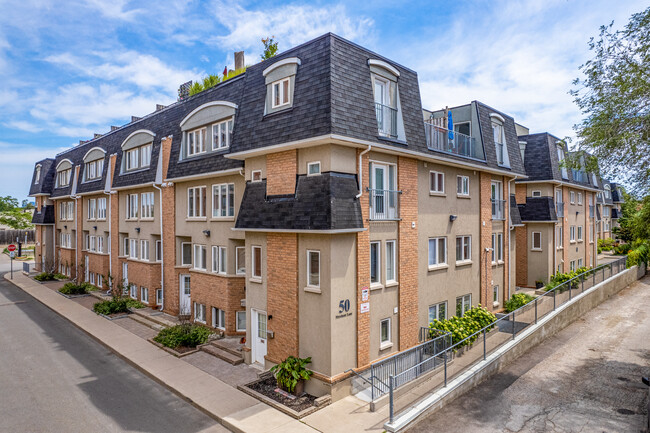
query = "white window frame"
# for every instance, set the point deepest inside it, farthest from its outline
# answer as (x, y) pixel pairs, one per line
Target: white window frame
(466, 240)
(311, 283)
(465, 304)
(125, 247)
(37, 175)
(462, 186)
(144, 249)
(283, 95)
(159, 250)
(317, 169)
(191, 255)
(572, 234)
(197, 208)
(572, 197)
(219, 259)
(237, 314)
(199, 256)
(133, 291)
(391, 245)
(100, 244)
(387, 342)
(572, 265)
(196, 141)
(160, 296)
(218, 137)
(437, 241)
(101, 208)
(144, 295)
(436, 308)
(435, 180)
(537, 247)
(92, 209)
(199, 312)
(580, 263)
(537, 193)
(559, 237)
(240, 265)
(256, 175)
(218, 318)
(256, 273)
(580, 230)
(147, 205)
(133, 248)
(377, 245)
(579, 198)
(495, 295)
(132, 207)
(217, 197)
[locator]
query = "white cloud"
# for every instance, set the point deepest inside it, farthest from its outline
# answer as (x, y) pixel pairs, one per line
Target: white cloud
(291, 24)
(23, 126)
(115, 9)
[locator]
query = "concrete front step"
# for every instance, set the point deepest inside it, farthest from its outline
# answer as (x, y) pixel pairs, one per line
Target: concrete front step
(230, 345)
(155, 316)
(146, 322)
(222, 354)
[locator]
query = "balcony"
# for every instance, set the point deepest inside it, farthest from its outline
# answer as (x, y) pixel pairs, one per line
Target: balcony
(591, 211)
(384, 204)
(559, 209)
(498, 209)
(444, 140)
(386, 120)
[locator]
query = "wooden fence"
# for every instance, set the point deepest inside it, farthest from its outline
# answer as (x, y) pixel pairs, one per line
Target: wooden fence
(9, 236)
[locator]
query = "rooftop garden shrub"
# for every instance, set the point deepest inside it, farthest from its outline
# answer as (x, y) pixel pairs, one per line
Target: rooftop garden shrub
(184, 335)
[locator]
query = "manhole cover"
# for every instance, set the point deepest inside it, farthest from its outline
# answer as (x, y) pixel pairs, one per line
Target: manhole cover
(625, 411)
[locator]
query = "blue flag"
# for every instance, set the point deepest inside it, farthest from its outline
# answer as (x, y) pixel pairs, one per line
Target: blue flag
(450, 125)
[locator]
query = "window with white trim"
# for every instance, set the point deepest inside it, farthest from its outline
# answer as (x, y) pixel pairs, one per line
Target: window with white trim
(256, 261)
(100, 281)
(580, 262)
(256, 176)
(313, 268)
(221, 133)
(144, 295)
(159, 296)
(240, 317)
(280, 95)
(92, 209)
(497, 247)
(560, 157)
(240, 260)
(436, 182)
(100, 244)
(147, 205)
(463, 248)
(438, 312)
(196, 202)
(37, 175)
(537, 241)
(579, 233)
(391, 261)
(223, 200)
(559, 237)
(537, 193)
(125, 247)
(572, 197)
(495, 294)
(572, 265)
(591, 233)
(200, 253)
(132, 206)
(463, 304)
(70, 211)
(159, 250)
(462, 185)
(93, 170)
(101, 208)
(63, 177)
(313, 168)
(218, 318)
(219, 259)
(384, 333)
(572, 234)
(133, 291)
(500, 142)
(437, 251)
(144, 249)
(375, 263)
(92, 243)
(133, 248)
(579, 198)
(199, 312)
(196, 141)
(137, 158)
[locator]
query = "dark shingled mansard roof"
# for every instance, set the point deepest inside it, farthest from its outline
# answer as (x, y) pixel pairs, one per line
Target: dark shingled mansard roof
(45, 216)
(46, 182)
(324, 202)
(515, 216)
(538, 209)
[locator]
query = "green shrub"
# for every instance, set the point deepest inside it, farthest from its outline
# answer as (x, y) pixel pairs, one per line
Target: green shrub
(75, 289)
(290, 371)
(517, 301)
(45, 276)
(472, 321)
(622, 249)
(58, 276)
(186, 335)
(605, 244)
(559, 278)
(115, 306)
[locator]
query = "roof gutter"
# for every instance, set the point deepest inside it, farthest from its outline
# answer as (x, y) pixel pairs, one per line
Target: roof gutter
(361, 170)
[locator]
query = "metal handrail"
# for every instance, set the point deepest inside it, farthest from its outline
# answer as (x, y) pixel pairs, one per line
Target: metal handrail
(448, 141)
(559, 209)
(384, 204)
(386, 119)
(498, 209)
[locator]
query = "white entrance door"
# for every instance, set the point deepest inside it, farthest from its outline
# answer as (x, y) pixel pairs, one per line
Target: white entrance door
(258, 335)
(185, 300)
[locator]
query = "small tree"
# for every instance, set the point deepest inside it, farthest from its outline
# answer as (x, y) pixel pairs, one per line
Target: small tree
(270, 48)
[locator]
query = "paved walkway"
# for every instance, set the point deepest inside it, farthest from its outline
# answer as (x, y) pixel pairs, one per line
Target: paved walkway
(233, 408)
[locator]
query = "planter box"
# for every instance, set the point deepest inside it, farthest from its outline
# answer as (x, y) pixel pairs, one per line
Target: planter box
(279, 406)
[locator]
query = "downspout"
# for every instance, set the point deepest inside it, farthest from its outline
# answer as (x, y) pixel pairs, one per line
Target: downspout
(361, 170)
(162, 247)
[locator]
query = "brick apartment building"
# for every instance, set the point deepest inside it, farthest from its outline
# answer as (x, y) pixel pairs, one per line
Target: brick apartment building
(309, 204)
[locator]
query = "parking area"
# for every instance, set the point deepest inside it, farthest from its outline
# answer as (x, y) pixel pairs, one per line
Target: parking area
(585, 378)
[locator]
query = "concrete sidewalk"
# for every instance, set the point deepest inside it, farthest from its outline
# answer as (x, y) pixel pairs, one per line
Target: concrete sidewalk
(233, 408)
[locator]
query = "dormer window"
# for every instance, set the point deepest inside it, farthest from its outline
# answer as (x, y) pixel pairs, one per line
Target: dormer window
(196, 141)
(208, 128)
(280, 80)
(93, 170)
(560, 158)
(384, 77)
(280, 93)
(499, 135)
(63, 177)
(138, 158)
(607, 192)
(37, 176)
(221, 133)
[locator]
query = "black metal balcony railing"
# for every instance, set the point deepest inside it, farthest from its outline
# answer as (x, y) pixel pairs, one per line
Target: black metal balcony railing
(386, 120)
(559, 209)
(440, 139)
(498, 209)
(591, 211)
(500, 159)
(384, 204)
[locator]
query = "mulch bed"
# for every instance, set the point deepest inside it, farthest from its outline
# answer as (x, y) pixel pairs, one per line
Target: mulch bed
(268, 387)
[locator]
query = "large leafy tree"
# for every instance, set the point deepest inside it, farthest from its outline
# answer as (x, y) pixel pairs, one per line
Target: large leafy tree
(614, 96)
(12, 215)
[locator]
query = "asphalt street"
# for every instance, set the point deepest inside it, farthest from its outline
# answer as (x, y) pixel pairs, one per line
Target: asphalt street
(55, 378)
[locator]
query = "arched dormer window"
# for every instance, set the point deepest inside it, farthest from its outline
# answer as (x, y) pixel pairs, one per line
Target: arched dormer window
(37, 174)
(136, 150)
(560, 158)
(63, 173)
(608, 191)
(384, 77)
(208, 129)
(280, 80)
(94, 164)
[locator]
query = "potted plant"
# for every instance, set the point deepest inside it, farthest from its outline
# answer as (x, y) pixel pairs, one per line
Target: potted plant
(291, 374)
(539, 284)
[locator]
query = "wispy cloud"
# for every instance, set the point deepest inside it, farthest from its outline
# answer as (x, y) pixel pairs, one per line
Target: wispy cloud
(115, 9)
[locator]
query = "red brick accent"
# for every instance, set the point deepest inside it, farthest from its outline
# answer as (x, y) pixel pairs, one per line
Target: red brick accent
(486, 238)
(170, 277)
(67, 259)
(407, 182)
(281, 169)
(282, 294)
(144, 274)
(363, 271)
(220, 292)
(98, 264)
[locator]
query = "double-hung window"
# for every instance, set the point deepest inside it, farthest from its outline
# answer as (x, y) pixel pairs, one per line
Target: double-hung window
(196, 141)
(436, 182)
(462, 186)
(200, 253)
(256, 261)
(463, 304)
(147, 205)
(375, 263)
(579, 233)
(240, 260)
(579, 198)
(437, 312)
(463, 248)
(437, 251)
(223, 200)
(199, 312)
(133, 248)
(132, 206)
(313, 268)
(572, 234)
(280, 94)
(100, 244)
(221, 134)
(92, 209)
(218, 318)
(101, 208)
(391, 262)
(572, 197)
(92, 243)
(144, 295)
(559, 237)
(497, 247)
(196, 202)
(144, 249)
(70, 211)
(219, 259)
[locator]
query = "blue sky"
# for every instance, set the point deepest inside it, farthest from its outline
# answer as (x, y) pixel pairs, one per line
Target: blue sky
(71, 68)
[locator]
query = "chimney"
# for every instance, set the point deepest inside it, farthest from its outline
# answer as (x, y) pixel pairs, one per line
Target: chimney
(114, 128)
(96, 135)
(83, 142)
(184, 90)
(160, 107)
(239, 60)
(134, 118)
